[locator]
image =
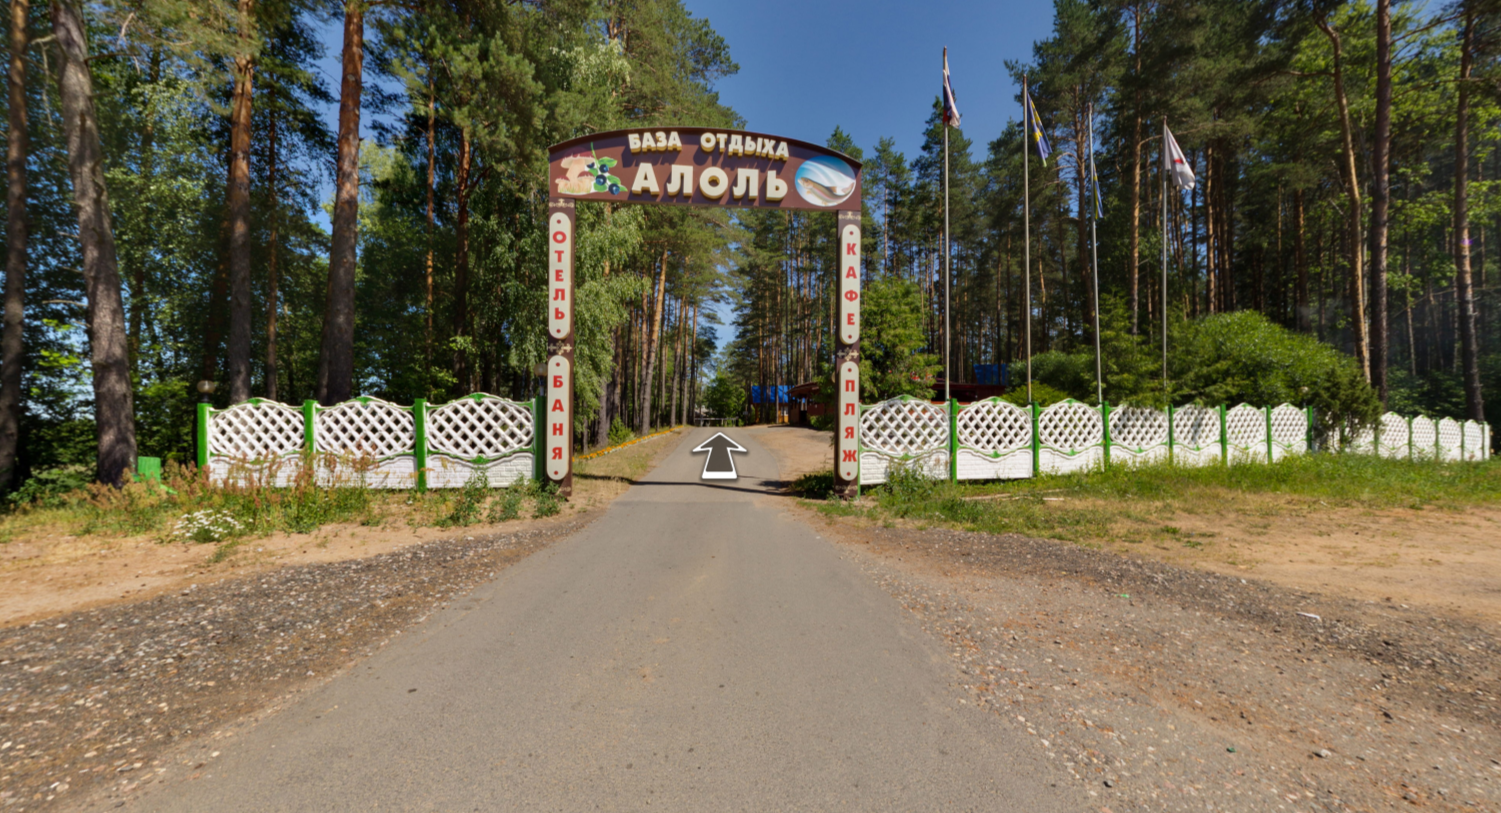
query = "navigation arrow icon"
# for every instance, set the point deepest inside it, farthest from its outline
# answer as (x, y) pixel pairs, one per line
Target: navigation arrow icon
(719, 465)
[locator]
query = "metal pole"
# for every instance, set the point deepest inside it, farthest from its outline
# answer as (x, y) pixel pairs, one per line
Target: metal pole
(1094, 243)
(946, 374)
(1027, 232)
(1163, 172)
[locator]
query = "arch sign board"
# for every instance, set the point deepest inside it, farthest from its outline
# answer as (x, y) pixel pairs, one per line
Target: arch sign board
(698, 166)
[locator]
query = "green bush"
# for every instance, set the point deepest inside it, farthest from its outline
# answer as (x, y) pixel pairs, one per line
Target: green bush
(1226, 358)
(508, 507)
(50, 488)
(1043, 394)
(725, 398)
(468, 501)
(891, 338)
(816, 486)
(1243, 357)
(907, 489)
(619, 432)
(546, 503)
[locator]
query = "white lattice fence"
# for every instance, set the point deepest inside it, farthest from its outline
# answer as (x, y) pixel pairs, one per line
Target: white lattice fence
(1289, 431)
(1070, 437)
(903, 431)
(1393, 435)
(368, 442)
(1246, 433)
(371, 442)
(480, 433)
(1476, 441)
(1424, 438)
(1196, 436)
(1138, 435)
(1450, 439)
(994, 441)
(254, 440)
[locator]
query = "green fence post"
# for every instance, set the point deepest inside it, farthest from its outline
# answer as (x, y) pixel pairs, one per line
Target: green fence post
(1224, 439)
(204, 411)
(1376, 436)
(1105, 426)
(419, 454)
(309, 423)
(1268, 434)
(1308, 430)
(953, 440)
(1036, 441)
(1171, 441)
(1410, 458)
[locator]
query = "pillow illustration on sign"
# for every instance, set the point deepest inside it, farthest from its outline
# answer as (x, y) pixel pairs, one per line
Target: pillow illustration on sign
(825, 181)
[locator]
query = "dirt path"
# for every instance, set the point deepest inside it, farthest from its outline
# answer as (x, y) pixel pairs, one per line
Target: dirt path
(46, 571)
(1165, 688)
(102, 699)
(1188, 682)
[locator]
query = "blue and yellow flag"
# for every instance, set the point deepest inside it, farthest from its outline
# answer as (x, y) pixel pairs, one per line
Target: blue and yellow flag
(1094, 178)
(1034, 127)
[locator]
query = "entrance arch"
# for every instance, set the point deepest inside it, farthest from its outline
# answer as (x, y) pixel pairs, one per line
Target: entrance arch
(698, 166)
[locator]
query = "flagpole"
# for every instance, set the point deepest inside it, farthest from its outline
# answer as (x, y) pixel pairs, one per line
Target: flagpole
(1027, 231)
(1094, 247)
(1163, 172)
(946, 252)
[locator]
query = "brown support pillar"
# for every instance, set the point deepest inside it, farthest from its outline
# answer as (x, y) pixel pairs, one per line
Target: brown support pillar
(559, 409)
(847, 359)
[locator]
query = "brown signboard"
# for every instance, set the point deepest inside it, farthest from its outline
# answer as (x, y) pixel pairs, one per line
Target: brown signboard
(701, 166)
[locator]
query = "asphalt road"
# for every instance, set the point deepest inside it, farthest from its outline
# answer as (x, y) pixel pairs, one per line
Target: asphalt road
(694, 649)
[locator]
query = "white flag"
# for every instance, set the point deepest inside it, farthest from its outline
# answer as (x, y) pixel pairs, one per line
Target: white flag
(1174, 161)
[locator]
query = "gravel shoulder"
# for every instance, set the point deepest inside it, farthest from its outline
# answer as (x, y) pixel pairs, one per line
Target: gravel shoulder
(1168, 688)
(129, 689)
(93, 703)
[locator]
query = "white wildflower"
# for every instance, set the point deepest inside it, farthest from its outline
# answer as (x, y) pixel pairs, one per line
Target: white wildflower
(207, 526)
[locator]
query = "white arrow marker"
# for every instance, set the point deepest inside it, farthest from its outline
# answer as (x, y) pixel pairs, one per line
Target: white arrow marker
(720, 464)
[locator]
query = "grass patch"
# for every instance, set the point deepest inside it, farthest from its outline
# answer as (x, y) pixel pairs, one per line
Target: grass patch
(1100, 505)
(186, 507)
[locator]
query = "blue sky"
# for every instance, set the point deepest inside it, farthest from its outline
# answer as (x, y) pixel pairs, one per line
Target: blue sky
(871, 67)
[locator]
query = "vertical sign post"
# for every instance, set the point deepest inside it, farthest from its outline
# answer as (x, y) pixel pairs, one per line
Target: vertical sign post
(559, 412)
(847, 359)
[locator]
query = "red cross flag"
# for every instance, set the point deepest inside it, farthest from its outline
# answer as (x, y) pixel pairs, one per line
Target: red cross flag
(1174, 162)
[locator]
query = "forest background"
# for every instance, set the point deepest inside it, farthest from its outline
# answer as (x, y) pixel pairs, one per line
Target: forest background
(163, 228)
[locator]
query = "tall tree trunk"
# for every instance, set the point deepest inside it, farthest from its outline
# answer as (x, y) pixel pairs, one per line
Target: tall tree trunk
(461, 362)
(432, 169)
(1354, 244)
(1300, 265)
(273, 280)
(691, 399)
(1134, 185)
(607, 393)
(1381, 196)
(138, 299)
(673, 383)
(336, 358)
(1463, 287)
(12, 351)
(1212, 279)
(114, 407)
(237, 205)
(654, 340)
